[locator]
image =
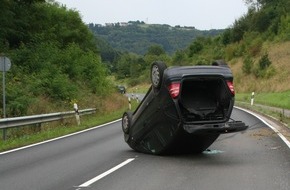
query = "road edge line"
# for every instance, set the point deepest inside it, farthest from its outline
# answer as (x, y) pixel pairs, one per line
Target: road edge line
(58, 138)
(266, 123)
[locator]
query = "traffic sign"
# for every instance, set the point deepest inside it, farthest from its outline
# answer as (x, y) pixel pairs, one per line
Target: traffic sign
(5, 64)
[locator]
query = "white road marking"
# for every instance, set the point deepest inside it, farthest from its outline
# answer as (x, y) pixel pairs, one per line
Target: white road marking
(97, 178)
(265, 122)
(58, 138)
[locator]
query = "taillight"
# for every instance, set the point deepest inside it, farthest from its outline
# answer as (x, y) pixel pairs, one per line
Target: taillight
(174, 89)
(231, 87)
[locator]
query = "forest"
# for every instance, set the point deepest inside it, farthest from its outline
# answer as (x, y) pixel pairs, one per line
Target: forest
(54, 57)
(137, 37)
(57, 59)
(247, 41)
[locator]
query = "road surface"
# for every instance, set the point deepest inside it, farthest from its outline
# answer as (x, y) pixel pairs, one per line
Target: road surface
(256, 159)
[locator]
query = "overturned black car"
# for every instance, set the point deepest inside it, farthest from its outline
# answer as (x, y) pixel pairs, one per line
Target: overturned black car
(185, 109)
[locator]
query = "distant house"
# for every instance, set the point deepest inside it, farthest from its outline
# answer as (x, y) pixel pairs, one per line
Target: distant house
(124, 24)
(109, 24)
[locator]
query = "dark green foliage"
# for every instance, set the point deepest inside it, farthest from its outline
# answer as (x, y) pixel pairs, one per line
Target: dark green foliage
(108, 53)
(284, 27)
(179, 58)
(155, 50)
(264, 62)
(266, 20)
(239, 28)
(54, 55)
(264, 69)
(138, 36)
(264, 17)
(226, 37)
(129, 65)
(247, 65)
(195, 48)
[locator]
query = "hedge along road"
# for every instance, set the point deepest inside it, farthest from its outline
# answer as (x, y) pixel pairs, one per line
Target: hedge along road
(100, 159)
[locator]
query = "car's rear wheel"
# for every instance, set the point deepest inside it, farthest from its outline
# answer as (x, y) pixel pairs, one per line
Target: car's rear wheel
(157, 70)
(126, 122)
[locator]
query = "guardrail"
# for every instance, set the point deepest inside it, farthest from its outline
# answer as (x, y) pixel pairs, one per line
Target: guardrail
(284, 112)
(38, 119)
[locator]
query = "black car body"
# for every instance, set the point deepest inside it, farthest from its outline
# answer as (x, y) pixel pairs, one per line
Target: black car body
(185, 109)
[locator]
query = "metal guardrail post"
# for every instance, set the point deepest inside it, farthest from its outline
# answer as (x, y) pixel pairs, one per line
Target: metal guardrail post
(4, 134)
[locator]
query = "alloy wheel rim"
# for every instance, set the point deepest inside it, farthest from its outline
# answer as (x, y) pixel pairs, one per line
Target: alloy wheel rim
(125, 123)
(155, 75)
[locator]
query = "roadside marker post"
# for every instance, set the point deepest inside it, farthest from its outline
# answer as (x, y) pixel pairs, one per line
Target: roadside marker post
(252, 98)
(129, 99)
(77, 113)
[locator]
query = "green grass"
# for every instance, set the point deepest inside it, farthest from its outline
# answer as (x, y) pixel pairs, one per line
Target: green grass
(276, 99)
(48, 132)
(258, 109)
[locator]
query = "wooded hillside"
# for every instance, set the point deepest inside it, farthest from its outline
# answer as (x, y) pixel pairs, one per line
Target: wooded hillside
(57, 60)
(54, 57)
(137, 37)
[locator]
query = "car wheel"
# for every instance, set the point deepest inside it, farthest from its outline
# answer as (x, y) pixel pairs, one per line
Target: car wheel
(157, 70)
(126, 122)
(220, 63)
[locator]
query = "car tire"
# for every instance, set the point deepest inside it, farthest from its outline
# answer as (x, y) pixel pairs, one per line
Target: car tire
(157, 70)
(126, 122)
(220, 63)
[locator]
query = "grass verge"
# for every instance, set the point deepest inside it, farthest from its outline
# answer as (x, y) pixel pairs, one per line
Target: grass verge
(57, 129)
(276, 99)
(278, 116)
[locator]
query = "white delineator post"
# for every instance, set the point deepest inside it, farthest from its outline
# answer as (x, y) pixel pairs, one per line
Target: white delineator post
(129, 100)
(252, 98)
(77, 113)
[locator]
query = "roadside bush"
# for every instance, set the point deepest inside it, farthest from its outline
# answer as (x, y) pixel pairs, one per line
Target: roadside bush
(284, 28)
(264, 62)
(233, 50)
(247, 65)
(254, 42)
(264, 69)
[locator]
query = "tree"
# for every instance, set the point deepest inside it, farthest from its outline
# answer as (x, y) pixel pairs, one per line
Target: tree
(195, 48)
(179, 58)
(155, 50)
(247, 65)
(253, 4)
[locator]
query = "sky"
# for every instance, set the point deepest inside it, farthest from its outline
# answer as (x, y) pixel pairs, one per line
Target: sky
(201, 14)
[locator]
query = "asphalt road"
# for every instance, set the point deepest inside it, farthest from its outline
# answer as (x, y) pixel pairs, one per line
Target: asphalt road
(254, 160)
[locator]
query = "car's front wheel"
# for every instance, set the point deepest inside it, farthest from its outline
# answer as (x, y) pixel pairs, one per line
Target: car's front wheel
(157, 70)
(126, 124)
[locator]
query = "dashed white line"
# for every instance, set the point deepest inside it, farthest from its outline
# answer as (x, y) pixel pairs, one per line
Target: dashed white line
(97, 178)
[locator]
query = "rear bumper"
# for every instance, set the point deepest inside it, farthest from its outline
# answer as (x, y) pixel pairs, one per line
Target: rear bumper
(229, 127)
